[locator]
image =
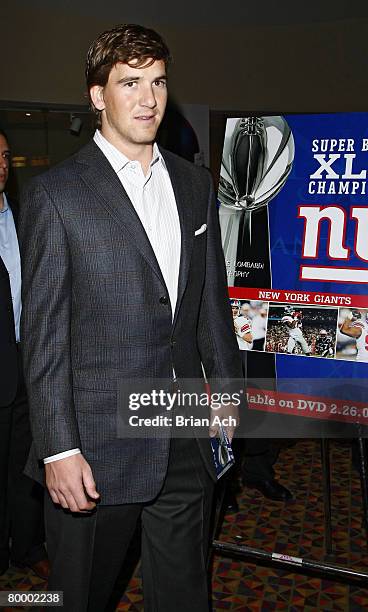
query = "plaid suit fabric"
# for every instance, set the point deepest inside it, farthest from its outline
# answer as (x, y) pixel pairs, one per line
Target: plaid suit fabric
(93, 314)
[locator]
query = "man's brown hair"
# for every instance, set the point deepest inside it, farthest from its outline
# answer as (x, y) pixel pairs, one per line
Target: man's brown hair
(128, 43)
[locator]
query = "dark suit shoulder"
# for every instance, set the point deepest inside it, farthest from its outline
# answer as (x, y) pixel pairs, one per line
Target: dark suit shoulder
(187, 168)
(182, 163)
(57, 172)
(64, 170)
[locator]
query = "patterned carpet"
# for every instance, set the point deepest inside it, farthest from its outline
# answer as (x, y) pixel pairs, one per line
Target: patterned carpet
(295, 528)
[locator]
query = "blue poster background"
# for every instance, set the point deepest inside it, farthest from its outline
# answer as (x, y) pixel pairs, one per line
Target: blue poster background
(286, 229)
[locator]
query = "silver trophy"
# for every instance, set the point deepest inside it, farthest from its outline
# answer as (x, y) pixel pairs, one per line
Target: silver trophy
(257, 159)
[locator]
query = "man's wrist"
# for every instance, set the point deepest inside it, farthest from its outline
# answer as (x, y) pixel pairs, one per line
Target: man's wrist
(63, 455)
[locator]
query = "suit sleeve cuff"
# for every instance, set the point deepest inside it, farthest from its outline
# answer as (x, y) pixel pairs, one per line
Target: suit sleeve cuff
(68, 453)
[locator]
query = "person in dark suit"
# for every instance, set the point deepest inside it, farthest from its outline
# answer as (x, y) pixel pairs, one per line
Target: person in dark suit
(123, 278)
(21, 499)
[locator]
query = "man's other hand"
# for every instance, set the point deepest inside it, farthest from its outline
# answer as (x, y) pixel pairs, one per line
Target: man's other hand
(229, 418)
(71, 484)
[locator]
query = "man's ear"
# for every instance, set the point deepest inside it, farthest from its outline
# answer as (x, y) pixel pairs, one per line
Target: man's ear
(96, 93)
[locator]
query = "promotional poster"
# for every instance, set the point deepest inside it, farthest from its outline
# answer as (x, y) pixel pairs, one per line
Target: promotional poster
(293, 207)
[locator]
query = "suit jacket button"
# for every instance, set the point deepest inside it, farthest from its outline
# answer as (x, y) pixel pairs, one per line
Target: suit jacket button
(172, 343)
(163, 299)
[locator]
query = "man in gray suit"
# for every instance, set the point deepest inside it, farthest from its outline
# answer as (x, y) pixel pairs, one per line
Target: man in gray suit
(122, 225)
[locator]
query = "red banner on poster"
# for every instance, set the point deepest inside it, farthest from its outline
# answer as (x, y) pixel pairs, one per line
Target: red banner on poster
(299, 297)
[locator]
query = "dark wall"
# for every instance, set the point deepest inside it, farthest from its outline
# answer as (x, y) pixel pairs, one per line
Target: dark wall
(234, 55)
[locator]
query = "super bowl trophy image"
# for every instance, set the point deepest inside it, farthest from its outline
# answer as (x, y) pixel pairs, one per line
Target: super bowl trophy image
(257, 158)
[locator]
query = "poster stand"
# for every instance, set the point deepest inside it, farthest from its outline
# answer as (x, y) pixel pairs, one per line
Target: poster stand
(303, 565)
(363, 468)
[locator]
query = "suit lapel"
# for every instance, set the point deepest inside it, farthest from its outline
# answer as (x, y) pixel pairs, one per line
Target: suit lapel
(184, 203)
(98, 174)
(14, 208)
(3, 269)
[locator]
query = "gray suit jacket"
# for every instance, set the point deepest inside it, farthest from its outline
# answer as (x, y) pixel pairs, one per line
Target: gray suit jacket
(93, 313)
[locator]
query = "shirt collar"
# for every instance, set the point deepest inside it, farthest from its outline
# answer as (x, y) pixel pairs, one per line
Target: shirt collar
(117, 159)
(6, 205)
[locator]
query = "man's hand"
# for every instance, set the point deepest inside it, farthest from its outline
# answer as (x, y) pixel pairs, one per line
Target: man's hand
(71, 484)
(229, 418)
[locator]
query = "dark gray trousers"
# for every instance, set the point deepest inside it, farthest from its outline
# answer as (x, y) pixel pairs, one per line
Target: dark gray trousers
(21, 499)
(87, 551)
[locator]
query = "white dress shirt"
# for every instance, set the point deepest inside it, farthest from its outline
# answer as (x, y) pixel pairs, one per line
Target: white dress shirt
(153, 199)
(154, 202)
